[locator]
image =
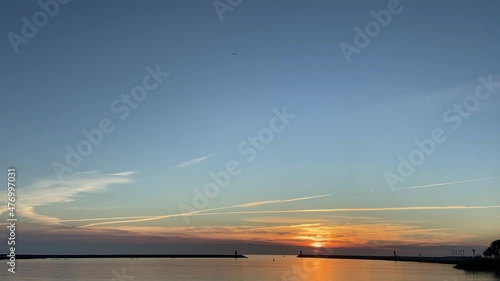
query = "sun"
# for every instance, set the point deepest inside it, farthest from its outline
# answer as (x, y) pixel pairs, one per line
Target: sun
(317, 244)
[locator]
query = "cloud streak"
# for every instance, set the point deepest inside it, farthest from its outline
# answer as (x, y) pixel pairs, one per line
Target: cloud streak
(152, 218)
(253, 204)
(193, 161)
(346, 210)
(207, 212)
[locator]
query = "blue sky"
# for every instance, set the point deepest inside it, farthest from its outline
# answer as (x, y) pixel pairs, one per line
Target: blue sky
(352, 120)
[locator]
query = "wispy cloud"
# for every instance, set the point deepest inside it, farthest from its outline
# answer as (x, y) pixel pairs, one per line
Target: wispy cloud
(46, 192)
(193, 161)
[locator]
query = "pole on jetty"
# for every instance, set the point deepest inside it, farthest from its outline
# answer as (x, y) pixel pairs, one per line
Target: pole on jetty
(300, 254)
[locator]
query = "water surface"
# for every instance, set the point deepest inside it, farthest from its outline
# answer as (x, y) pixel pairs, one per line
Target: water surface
(255, 268)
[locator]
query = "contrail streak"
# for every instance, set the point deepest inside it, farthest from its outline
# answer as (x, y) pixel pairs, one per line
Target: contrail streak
(445, 183)
(104, 219)
(345, 210)
(151, 218)
(418, 208)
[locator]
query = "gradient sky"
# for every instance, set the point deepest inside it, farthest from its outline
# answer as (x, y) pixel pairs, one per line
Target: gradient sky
(352, 122)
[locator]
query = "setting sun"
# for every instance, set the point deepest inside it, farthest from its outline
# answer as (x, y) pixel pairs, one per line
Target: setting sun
(317, 244)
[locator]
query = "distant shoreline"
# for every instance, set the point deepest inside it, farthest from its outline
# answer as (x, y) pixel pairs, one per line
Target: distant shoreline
(465, 263)
(4, 257)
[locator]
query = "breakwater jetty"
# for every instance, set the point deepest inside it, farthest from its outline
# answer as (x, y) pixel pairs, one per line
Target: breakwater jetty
(466, 263)
(131, 256)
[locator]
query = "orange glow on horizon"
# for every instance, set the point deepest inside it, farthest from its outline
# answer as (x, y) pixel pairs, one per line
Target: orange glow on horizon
(314, 235)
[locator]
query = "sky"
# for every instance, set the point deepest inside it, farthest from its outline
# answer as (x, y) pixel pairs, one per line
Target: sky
(264, 126)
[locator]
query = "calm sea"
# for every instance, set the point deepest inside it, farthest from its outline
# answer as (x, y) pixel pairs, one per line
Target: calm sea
(255, 268)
